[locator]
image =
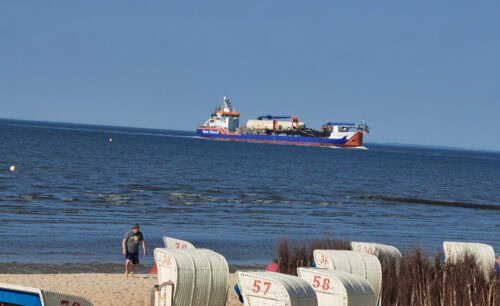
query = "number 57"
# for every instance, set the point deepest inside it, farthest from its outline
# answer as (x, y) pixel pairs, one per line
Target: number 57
(256, 286)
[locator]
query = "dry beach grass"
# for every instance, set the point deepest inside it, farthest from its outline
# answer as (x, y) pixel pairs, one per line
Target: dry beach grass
(422, 280)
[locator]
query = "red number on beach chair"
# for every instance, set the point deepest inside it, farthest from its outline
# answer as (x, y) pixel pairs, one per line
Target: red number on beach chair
(180, 246)
(316, 281)
(326, 284)
(367, 250)
(323, 260)
(256, 287)
(268, 285)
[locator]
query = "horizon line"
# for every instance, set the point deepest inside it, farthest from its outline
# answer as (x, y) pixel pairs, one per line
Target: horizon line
(166, 129)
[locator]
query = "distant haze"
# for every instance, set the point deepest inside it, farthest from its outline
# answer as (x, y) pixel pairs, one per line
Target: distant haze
(419, 72)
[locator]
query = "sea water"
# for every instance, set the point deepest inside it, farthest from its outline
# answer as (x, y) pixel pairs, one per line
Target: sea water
(74, 193)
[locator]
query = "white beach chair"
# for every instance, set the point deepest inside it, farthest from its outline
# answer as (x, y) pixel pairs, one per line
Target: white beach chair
(378, 250)
(274, 289)
(484, 253)
(354, 262)
(337, 288)
(20, 295)
(191, 277)
(173, 243)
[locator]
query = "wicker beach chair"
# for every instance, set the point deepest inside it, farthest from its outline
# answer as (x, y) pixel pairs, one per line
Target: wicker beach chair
(378, 250)
(484, 253)
(274, 289)
(20, 295)
(337, 288)
(354, 262)
(193, 277)
(173, 243)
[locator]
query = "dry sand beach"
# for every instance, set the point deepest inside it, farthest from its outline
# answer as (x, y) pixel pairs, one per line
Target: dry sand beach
(101, 289)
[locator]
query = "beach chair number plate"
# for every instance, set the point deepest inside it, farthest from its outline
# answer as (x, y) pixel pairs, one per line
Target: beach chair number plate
(318, 283)
(166, 260)
(261, 287)
(180, 246)
(449, 250)
(365, 249)
(66, 303)
(323, 260)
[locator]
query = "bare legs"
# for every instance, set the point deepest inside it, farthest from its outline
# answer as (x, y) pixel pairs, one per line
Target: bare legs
(133, 270)
(127, 266)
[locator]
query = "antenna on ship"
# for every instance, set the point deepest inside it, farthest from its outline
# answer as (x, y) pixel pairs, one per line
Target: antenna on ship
(364, 127)
(226, 100)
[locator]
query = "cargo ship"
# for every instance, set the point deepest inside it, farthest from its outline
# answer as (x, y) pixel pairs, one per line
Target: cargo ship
(223, 124)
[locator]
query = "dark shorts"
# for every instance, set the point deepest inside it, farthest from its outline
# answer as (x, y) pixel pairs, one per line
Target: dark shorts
(134, 257)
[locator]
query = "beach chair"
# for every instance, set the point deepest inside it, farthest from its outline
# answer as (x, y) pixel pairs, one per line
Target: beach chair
(173, 243)
(379, 250)
(376, 249)
(191, 277)
(27, 296)
(337, 288)
(274, 289)
(354, 262)
(484, 253)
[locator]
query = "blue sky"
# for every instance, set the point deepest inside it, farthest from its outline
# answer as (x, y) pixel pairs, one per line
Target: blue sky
(419, 72)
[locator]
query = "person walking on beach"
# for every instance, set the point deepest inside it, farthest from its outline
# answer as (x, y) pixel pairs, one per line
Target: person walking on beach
(130, 246)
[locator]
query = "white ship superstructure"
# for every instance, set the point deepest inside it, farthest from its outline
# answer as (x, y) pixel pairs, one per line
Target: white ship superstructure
(224, 117)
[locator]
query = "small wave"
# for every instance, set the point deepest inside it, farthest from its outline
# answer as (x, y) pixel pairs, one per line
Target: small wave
(324, 204)
(245, 195)
(358, 148)
(430, 202)
(350, 148)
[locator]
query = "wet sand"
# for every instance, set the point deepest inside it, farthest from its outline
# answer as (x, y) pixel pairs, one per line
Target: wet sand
(101, 288)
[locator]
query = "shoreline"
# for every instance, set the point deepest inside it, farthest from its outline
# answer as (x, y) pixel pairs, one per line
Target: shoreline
(15, 268)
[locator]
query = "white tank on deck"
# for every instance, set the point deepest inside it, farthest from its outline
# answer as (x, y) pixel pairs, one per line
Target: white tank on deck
(268, 124)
